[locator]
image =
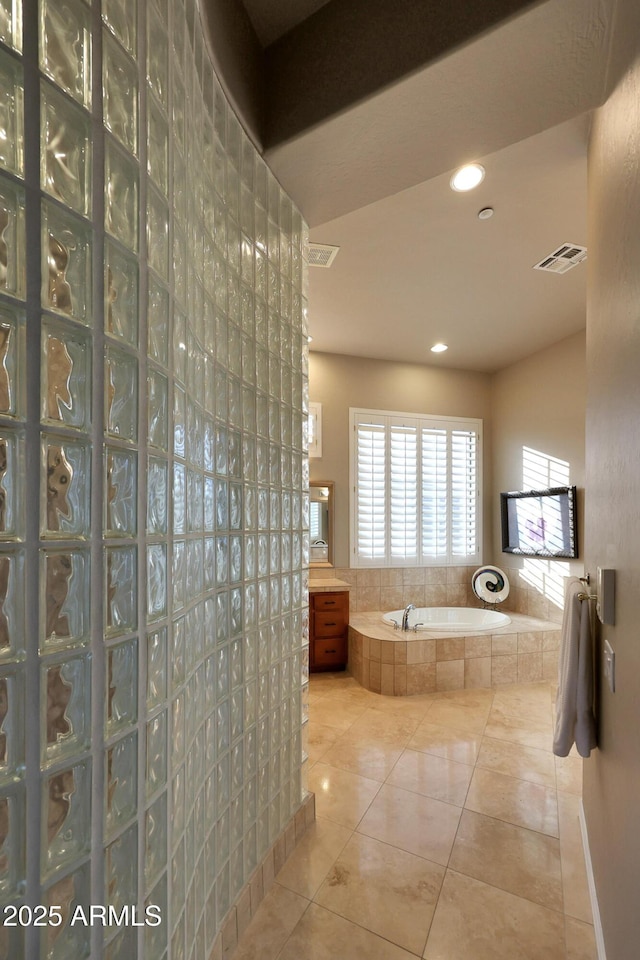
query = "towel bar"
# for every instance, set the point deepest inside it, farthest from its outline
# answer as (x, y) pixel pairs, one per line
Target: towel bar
(587, 596)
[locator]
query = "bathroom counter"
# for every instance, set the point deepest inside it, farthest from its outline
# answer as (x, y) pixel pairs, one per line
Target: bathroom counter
(328, 585)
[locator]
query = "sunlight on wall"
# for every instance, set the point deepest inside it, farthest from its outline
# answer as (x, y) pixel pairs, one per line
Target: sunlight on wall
(540, 470)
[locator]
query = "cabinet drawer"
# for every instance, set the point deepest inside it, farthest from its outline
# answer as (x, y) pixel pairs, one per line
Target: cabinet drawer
(331, 623)
(330, 652)
(330, 601)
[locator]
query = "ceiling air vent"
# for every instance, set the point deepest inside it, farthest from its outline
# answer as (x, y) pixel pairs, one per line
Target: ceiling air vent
(564, 258)
(322, 254)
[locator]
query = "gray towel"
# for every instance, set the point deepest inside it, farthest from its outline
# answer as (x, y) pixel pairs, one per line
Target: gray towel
(575, 722)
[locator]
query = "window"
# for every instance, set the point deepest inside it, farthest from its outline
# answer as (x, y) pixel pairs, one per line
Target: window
(416, 489)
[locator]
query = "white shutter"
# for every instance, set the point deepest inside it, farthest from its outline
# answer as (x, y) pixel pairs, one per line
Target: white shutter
(371, 480)
(403, 485)
(415, 489)
(315, 515)
(435, 494)
(464, 486)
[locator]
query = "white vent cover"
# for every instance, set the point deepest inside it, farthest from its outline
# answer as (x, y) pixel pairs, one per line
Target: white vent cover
(321, 254)
(564, 258)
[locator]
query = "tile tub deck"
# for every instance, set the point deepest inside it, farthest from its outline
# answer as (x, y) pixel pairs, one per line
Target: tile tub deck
(394, 663)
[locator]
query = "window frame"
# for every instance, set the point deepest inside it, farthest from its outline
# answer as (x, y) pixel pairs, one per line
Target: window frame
(359, 415)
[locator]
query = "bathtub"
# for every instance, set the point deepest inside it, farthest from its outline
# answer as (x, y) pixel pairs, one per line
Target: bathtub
(450, 618)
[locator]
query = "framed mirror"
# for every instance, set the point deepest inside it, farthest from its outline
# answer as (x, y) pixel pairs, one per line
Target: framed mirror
(320, 523)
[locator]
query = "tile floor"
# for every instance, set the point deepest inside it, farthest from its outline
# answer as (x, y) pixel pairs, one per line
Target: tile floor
(446, 829)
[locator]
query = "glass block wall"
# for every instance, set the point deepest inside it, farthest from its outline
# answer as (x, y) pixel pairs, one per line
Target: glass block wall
(153, 505)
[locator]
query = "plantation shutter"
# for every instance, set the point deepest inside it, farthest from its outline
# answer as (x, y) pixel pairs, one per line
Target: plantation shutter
(464, 485)
(371, 479)
(415, 489)
(403, 483)
(435, 493)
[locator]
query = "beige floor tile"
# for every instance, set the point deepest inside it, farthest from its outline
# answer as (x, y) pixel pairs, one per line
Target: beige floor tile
(341, 796)
(526, 804)
(580, 940)
(386, 727)
(468, 713)
(518, 929)
(271, 925)
(534, 712)
(354, 695)
(313, 857)
(527, 732)
(335, 712)
(320, 738)
(367, 758)
(386, 890)
(569, 774)
(445, 742)
(577, 903)
(322, 935)
(527, 763)
(512, 858)
(327, 682)
(432, 776)
(417, 705)
(412, 822)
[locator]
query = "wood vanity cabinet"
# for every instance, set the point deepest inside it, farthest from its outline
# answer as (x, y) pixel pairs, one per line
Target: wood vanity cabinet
(329, 626)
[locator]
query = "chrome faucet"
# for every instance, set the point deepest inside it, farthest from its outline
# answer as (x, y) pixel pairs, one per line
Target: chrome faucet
(405, 615)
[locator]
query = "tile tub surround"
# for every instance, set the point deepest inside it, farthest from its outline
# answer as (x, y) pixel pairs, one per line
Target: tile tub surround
(388, 588)
(397, 663)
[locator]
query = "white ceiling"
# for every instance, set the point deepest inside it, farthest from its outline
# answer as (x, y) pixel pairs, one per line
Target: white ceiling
(416, 265)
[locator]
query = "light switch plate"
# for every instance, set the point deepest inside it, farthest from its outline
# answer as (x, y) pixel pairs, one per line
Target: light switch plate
(610, 666)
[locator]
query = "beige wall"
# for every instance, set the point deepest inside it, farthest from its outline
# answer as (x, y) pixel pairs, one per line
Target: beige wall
(539, 403)
(340, 382)
(612, 775)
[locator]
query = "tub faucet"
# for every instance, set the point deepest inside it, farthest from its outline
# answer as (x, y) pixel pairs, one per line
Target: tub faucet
(405, 615)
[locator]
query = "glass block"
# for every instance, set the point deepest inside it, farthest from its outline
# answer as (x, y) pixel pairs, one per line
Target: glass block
(12, 520)
(124, 944)
(157, 232)
(156, 667)
(158, 409)
(66, 378)
(237, 719)
(65, 163)
(121, 470)
(179, 422)
(65, 46)
(120, 592)
(179, 492)
(235, 612)
(157, 496)
(180, 346)
(69, 894)
(121, 783)
(12, 361)
(209, 504)
(11, 23)
(65, 714)
(155, 937)
(121, 196)
(157, 145)
(158, 321)
(121, 294)
(179, 266)
(12, 732)
(157, 57)
(66, 822)
(12, 866)
(194, 569)
(121, 16)
(121, 394)
(11, 111)
(12, 239)
(177, 738)
(121, 695)
(155, 839)
(179, 124)
(121, 870)
(120, 93)
(156, 581)
(66, 264)
(65, 499)
(12, 601)
(235, 559)
(179, 574)
(156, 754)
(178, 653)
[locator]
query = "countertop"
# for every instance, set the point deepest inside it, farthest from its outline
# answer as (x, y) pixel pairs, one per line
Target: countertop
(327, 585)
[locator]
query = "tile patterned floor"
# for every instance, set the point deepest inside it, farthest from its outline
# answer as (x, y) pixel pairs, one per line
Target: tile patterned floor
(446, 829)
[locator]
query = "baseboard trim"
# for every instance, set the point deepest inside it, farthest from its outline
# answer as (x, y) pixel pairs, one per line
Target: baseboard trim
(595, 909)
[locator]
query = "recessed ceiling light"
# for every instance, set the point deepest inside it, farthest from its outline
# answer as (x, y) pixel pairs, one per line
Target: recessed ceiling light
(467, 177)
(485, 214)
(439, 348)
(309, 339)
